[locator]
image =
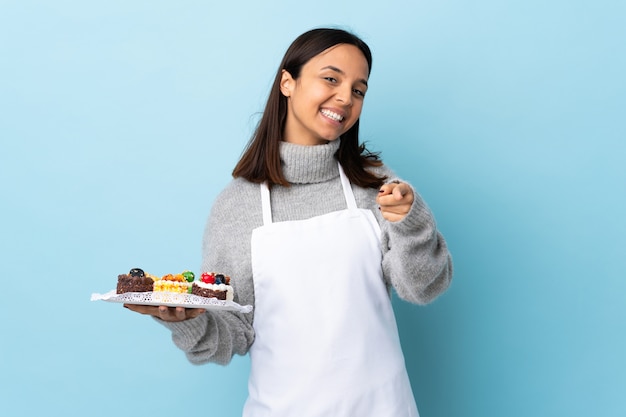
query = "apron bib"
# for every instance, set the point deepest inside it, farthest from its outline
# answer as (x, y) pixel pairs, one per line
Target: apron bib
(326, 341)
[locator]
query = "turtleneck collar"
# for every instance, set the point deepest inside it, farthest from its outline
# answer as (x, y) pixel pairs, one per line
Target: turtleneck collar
(309, 164)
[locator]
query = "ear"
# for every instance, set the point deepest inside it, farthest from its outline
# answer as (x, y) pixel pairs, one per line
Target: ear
(287, 83)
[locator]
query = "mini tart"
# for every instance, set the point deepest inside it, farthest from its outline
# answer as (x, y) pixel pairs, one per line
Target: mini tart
(172, 283)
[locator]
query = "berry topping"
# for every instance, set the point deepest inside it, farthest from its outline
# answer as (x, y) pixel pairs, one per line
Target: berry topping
(189, 276)
(136, 272)
(219, 279)
(207, 278)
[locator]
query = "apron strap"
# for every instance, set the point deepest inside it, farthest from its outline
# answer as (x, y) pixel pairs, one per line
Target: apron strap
(265, 204)
(347, 190)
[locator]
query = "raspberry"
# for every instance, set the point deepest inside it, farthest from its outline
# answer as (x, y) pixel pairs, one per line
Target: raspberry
(208, 278)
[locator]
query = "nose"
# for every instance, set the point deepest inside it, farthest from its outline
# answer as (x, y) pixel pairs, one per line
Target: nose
(344, 95)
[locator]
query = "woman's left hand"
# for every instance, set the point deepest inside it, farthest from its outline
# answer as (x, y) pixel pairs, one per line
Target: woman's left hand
(394, 200)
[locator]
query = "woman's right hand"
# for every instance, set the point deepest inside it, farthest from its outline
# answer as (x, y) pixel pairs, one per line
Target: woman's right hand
(171, 314)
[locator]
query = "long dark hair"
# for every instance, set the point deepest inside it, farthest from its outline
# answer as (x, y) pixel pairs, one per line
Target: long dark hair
(261, 159)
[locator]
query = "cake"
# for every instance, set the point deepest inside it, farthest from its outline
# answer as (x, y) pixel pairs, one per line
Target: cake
(135, 281)
(212, 285)
(179, 283)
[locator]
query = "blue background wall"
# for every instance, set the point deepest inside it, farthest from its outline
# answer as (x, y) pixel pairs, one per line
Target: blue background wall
(120, 121)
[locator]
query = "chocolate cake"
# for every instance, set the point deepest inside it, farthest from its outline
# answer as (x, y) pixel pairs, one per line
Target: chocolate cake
(134, 281)
(212, 285)
(207, 292)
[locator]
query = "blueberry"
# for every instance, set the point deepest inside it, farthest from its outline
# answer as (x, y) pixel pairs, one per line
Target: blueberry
(136, 272)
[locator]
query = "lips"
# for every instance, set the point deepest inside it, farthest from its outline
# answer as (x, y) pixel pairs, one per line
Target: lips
(332, 115)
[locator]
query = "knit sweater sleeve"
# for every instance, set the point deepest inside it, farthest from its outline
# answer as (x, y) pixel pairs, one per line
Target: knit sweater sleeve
(217, 336)
(416, 260)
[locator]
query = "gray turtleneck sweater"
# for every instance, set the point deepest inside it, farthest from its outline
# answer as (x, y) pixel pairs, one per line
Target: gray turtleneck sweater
(416, 261)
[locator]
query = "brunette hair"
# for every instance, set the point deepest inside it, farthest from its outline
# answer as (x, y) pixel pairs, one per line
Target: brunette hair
(260, 161)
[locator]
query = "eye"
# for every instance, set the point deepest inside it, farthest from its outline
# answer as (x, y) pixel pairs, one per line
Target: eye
(331, 79)
(358, 92)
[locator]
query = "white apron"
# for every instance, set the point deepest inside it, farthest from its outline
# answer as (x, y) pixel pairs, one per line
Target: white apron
(326, 341)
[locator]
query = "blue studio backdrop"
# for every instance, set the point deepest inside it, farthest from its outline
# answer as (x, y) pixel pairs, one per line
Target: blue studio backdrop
(120, 121)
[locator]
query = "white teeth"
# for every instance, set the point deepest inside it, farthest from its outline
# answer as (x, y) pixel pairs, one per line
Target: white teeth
(332, 115)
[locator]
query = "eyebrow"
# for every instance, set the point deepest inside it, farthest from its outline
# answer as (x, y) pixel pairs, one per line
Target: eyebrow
(332, 68)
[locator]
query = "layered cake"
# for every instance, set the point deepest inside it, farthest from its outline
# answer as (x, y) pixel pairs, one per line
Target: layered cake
(179, 283)
(212, 285)
(135, 281)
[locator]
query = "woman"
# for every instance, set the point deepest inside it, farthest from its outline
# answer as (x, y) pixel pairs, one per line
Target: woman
(314, 231)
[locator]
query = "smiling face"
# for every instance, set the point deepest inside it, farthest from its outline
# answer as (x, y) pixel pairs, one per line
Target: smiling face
(326, 99)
